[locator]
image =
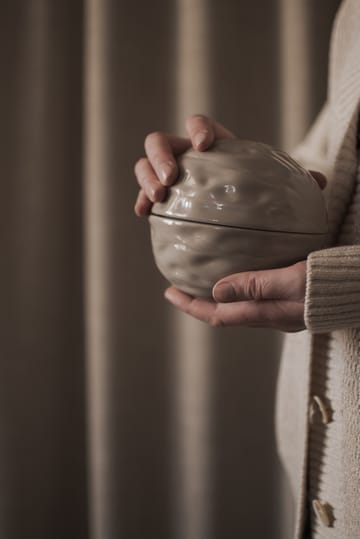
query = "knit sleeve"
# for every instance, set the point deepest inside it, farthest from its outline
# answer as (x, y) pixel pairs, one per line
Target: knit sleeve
(332, 299)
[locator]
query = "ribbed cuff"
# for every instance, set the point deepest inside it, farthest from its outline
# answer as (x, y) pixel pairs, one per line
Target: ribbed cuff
(332, 299)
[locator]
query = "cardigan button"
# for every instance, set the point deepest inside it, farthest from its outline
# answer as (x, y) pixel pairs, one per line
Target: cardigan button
(318, 406)
(323, 512)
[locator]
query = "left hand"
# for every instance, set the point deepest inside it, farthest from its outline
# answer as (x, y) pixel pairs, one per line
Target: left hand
(267, 298)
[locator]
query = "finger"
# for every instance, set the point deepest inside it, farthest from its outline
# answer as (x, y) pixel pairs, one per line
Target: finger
(148, 180)
(161, 150)
(283, 283)
(285, 315)
(319, 177)
(142, 205)
(203, 131)
(198, 308)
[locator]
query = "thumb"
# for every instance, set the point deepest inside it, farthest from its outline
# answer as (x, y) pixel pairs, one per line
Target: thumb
(284, 283)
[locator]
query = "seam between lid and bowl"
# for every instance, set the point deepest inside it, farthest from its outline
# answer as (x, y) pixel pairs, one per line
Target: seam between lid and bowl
(212, 223)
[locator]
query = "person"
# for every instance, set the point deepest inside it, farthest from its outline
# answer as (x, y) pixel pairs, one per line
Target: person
(318, 395)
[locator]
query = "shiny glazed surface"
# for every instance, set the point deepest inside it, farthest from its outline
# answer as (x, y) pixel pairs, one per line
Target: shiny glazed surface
(240, 206)
(245, 184)
(194, 256)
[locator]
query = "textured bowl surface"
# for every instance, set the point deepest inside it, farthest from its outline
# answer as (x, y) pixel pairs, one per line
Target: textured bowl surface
(194, 256)
(245, 184)
(240, 206)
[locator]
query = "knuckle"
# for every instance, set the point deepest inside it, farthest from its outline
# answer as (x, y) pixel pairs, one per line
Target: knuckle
(215, 322)
(254, 288)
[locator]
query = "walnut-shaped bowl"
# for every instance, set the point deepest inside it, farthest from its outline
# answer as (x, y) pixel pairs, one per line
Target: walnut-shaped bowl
(240, 206)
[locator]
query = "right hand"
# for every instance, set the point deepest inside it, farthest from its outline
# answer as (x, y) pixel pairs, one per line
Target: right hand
(158, 169)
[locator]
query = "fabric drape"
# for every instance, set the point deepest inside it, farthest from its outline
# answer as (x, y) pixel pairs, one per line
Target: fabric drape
(120, 418)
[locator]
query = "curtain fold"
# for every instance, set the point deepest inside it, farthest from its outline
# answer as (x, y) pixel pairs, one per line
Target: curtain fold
(42, 419)
(192, 347)
(120, 418)
(126, 323)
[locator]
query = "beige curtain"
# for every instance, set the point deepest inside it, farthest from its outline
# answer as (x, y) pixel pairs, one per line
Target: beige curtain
(120, 418)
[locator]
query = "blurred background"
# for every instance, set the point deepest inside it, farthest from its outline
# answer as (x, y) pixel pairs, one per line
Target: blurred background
(120, 418)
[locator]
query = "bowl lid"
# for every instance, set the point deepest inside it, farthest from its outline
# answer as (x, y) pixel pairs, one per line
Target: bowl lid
(245, 184)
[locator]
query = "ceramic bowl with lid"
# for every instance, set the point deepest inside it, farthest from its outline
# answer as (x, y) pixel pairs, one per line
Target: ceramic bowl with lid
(239, 206)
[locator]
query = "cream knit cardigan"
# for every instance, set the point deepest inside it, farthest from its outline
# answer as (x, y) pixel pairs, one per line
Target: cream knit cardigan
(318, 404)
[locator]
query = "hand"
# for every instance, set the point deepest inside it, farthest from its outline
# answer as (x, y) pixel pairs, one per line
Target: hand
(272, 298)
(267, 298)
(158, 169)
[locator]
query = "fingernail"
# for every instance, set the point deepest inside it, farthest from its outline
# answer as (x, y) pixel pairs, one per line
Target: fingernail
(166, 170)
(224, 292)
(200, 138)
(169, 296)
